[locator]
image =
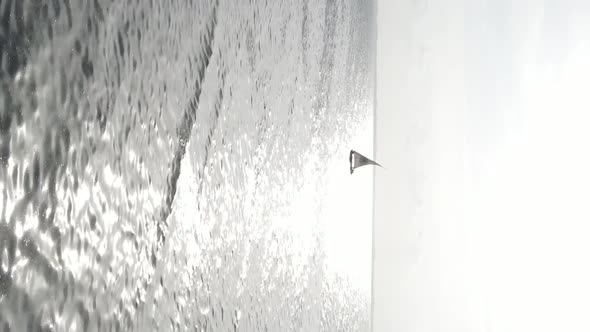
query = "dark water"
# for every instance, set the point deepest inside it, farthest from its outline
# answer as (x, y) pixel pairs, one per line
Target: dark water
(148, 149)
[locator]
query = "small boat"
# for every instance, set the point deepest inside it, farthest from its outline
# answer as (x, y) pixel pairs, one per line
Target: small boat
(357, 160)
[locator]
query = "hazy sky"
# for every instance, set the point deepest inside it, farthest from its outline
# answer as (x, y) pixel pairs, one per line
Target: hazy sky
(482, 218)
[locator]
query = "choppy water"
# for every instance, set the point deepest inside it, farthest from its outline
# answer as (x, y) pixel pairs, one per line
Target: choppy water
(150, 151)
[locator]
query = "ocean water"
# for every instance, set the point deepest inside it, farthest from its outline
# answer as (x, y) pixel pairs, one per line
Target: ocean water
(150, 155)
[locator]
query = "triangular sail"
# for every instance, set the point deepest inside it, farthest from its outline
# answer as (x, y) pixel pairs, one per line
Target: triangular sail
(357, 160)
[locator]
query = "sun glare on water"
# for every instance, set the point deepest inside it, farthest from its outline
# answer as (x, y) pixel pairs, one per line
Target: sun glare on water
(347, 214)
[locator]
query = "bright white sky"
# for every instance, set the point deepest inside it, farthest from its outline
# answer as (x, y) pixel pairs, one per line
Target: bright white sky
(483, 118)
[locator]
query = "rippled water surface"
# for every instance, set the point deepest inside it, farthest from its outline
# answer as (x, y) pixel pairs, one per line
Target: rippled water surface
(149, 153)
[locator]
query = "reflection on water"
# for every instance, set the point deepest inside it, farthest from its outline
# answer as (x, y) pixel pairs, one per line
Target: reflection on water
(149, 153)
